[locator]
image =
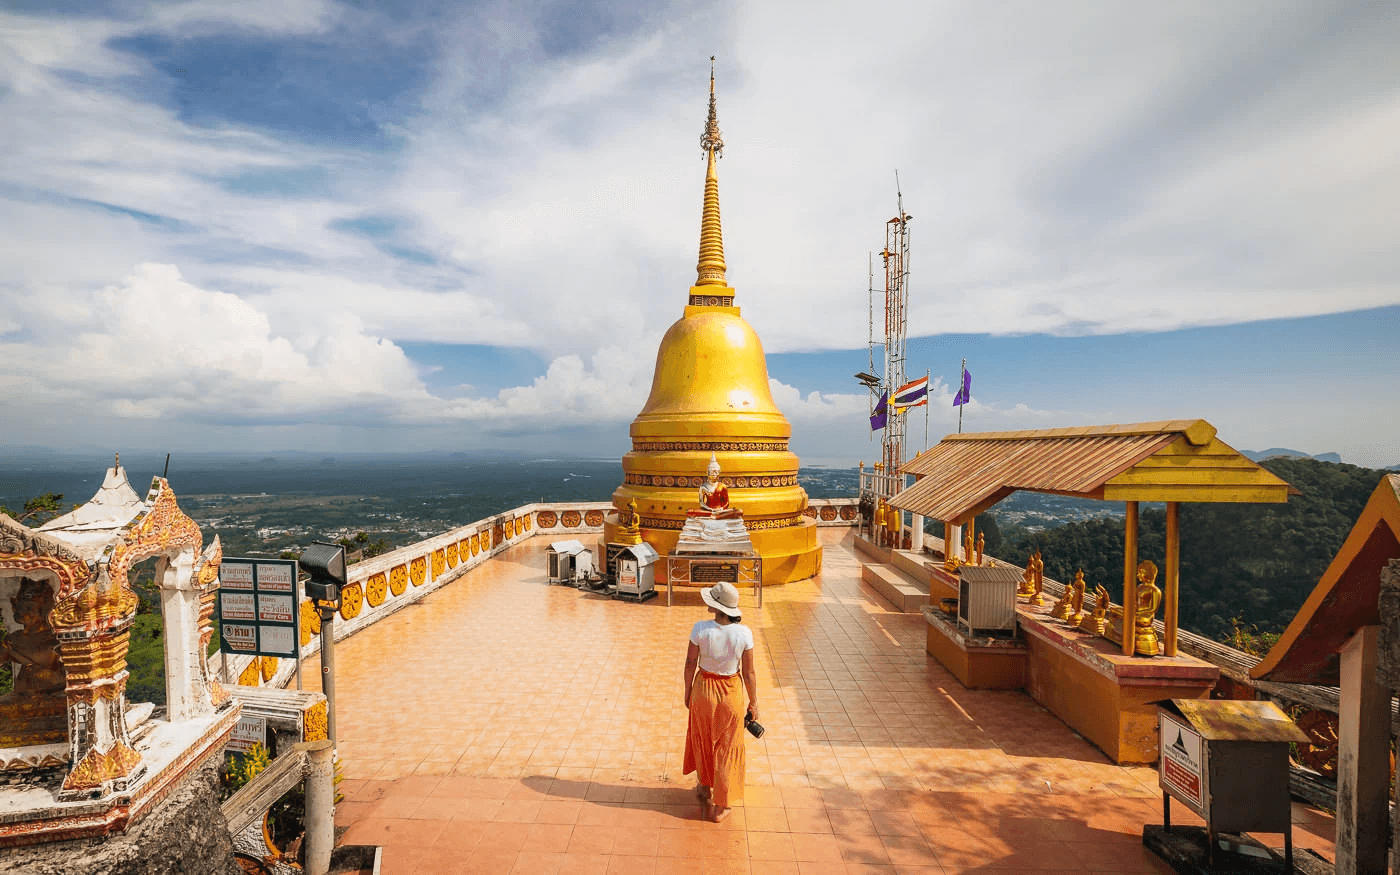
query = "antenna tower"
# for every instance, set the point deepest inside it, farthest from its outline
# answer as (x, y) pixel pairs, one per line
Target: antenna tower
(896, 292)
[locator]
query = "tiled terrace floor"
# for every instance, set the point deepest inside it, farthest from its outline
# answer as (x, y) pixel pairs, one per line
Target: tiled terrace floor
(503, 725)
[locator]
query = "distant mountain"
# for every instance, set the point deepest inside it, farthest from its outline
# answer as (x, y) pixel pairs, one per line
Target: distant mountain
(1282, 453)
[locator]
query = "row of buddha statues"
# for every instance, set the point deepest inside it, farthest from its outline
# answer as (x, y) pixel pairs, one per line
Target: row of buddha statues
(1098, 620)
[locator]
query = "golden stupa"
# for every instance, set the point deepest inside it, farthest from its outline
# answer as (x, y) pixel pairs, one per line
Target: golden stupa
(710, 396)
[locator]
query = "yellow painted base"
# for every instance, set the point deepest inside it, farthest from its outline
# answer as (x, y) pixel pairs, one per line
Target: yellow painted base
(1105, 696)
(977, 668)
(790, 553)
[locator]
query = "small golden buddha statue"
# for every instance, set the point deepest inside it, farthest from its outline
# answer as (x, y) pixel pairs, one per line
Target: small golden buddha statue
(1027, 585)
(968, 547)
(1149, 598)
(981, 546)
(1076, 603)
(1038, 596)
(1065, 606)
(1097, 622)
(629, 525)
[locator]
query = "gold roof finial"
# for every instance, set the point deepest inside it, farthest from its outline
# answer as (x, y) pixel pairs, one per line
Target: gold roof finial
(710, 269)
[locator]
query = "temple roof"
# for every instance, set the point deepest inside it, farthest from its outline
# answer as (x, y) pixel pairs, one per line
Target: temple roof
(1346, 597)
(1174, 460)
(89, 528)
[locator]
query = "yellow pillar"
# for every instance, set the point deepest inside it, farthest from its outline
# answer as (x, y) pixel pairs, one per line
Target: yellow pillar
(1130, 533)
(1171, 590)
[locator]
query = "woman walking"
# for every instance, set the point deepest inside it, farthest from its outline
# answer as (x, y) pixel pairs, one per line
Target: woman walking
(720, 653)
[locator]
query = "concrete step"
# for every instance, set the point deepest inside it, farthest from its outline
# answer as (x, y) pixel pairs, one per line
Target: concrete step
(912, 564)
(906, 594)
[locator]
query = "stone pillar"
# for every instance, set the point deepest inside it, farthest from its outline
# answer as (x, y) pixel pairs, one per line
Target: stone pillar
(320, 806)
(916, 542)
(186, 693)
(952, 544)
(1363, 759)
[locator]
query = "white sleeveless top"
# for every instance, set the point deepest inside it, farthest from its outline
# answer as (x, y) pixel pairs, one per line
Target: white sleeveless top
(721, 647)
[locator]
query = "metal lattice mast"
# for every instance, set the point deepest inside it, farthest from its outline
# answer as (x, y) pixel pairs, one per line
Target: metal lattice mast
(896, 258)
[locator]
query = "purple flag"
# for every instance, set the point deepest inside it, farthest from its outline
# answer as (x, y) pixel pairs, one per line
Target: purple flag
(965, 393)
(882, 412)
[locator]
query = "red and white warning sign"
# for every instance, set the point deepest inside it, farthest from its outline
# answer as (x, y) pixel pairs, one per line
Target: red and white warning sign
(1182, 767)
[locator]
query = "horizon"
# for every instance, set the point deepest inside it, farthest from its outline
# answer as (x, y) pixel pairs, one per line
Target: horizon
(364, 227)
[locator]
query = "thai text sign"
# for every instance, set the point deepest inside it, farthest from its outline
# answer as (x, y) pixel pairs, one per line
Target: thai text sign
(247, 732)
(258, 607)
(1182, 768)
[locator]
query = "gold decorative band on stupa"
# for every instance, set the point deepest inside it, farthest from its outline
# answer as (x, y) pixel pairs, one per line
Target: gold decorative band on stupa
(642, 446)
(740, 482)
(651, 522)
(709, 271)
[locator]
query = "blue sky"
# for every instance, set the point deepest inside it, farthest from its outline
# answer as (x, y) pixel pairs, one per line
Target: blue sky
(367, 225)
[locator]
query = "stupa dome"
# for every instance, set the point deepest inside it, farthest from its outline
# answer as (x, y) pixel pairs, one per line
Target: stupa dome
(710, 400)
(710, 367)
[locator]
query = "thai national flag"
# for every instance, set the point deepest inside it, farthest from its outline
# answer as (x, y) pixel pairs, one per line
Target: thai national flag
(912, 394)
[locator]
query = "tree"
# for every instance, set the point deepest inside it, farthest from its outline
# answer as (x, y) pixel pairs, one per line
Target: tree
(39, 509)
(368, 549)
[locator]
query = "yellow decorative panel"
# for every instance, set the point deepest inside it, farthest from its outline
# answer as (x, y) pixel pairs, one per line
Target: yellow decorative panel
(452, 555)
(376, 589)
(418, 571)
(313, 722)
(250, 676)
(439, 563)
(351, 598)
(398, 579)
(310, 622)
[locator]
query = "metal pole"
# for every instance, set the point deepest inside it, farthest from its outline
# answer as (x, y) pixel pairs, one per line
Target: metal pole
(962, 378)
(319, 816)
(328, 667)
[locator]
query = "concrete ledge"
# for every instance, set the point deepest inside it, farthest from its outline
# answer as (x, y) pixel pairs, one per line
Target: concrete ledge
(1105, 696)
(899, 590)
(979, 662)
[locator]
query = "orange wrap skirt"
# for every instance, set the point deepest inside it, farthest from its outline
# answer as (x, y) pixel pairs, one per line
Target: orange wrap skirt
(714, 741)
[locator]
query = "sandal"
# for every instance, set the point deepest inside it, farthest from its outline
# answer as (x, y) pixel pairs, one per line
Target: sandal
(720, 815)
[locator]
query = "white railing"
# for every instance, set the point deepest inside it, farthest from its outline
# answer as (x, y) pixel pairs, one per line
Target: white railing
(379, 586)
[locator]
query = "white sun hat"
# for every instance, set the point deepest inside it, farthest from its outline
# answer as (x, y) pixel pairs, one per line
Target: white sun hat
(722, 597)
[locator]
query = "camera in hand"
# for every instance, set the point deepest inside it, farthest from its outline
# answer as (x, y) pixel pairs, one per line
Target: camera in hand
(753, 726)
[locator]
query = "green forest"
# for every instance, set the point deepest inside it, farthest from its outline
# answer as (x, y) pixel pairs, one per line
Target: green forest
(1242, 565)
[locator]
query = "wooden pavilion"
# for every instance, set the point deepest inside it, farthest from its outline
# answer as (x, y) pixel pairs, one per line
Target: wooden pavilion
(1172, 461)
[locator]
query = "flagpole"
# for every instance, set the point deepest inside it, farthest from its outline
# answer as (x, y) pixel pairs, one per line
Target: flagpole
(962, 379)
(927, 373)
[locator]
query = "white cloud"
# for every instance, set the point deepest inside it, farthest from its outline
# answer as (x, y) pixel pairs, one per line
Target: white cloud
(1075, 169)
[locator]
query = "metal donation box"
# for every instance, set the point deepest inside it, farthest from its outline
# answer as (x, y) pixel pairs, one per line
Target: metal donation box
(635, 571)
(1227, 761)
(569, 561)
(987, 597)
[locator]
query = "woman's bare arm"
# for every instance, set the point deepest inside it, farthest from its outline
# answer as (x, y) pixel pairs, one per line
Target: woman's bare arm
(750, 684)
(692, 661)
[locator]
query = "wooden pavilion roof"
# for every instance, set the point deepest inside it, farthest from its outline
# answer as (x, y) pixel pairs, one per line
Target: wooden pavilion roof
(1346, 597)
(1174, 460)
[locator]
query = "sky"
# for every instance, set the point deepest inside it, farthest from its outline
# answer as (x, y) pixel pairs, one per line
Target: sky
(351, 226)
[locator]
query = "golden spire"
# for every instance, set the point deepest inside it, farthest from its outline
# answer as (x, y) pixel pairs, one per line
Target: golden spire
(710, 269)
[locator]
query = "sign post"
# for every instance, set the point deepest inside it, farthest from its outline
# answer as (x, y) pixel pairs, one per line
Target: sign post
(258, 613)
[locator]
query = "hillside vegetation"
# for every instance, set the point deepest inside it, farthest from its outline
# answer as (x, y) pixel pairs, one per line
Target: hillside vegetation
(1249, 565)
